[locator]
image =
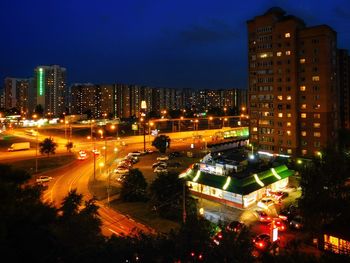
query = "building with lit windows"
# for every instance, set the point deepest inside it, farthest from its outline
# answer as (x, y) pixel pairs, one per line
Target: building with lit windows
(344, 87)
(293, 94)
(50, 87)
(19, 95)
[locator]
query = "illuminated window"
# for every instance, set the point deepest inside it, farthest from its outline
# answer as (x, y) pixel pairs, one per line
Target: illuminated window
(288, 52)
(317, 134)
(303, 133)
(289, 97)
(303, 152)
(280, 97)
(289, 151)
(315, 78)
(289, 115)
(317, 116)
(302, 60)
(302, 88)
(287, 35)
(303, 106)
(279, 54)
(255, 129)
(289, 133)
(303, 115)
(317, 125)
(289, 124)
(280, 115)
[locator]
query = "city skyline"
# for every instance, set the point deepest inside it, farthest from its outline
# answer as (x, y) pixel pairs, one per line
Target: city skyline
(155, 44)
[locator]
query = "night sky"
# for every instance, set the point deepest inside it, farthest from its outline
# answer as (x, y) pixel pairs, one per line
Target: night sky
(193, 44)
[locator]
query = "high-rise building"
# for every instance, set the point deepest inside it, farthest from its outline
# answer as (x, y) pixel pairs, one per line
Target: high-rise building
(292, 84)
(83, 99)
(50, 83)
(344, 87)
(19, 94)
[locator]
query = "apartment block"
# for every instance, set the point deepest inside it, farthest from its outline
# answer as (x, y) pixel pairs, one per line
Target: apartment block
(293, 91)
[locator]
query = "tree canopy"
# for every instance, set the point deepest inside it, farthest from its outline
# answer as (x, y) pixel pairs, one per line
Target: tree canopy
(161, 142)
(48, 146)
(134, 186)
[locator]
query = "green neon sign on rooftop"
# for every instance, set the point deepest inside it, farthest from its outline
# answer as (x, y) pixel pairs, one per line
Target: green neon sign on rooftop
(40, 81)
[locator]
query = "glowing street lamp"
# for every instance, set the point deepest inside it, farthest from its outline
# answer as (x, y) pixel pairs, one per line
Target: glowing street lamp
(143, 113)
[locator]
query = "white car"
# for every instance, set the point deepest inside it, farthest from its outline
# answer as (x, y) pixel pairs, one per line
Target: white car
(160, 169)
(43, 179)
(134, 153)
(121, 170)
(82, 155)
(163, 158)
(266, 203)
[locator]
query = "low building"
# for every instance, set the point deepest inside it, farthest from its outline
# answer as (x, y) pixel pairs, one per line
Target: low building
(235, 191)
(335, 239)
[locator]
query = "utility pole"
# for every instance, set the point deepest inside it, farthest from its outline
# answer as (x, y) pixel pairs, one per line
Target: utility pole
(184, 202)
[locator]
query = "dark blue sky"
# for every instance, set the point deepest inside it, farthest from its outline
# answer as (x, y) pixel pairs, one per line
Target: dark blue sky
(182, 43)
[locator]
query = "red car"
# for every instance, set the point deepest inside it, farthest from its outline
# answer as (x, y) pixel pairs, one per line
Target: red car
(262, 242)
(262, 216)
(279, 223)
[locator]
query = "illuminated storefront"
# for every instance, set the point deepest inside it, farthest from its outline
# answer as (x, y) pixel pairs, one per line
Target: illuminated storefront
(336, 243)
(237, 192)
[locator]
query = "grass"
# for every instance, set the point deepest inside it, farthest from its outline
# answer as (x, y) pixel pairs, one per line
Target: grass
(44, 164)
(141, 212)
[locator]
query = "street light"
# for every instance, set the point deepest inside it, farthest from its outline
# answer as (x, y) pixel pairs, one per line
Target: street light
(209, 120)
(143, 113)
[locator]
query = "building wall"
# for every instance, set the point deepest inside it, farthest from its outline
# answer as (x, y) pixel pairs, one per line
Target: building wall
(286, 61)
(344, 87)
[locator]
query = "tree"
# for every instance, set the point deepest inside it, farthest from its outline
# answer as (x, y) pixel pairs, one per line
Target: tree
(48, 146)
(134, 186)
(69, 146)
(324, 191)
(161, 142)
(166, 194)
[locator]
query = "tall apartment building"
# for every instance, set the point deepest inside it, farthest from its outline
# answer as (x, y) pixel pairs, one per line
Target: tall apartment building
(50, 83)
(84, 99)
(19, 94)
(292, 84)
(344, 87)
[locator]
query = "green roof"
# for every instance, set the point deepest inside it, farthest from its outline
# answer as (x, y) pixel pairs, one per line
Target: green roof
(242, 186)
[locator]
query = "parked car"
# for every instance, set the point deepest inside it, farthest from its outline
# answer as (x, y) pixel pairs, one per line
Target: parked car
(262, 242)
(279, 195)
(44, 179)
(217, 238)
(163, 158)
(121, 170)
(262, 216)
(137, 153)
(174, 154)
(176, 164)
(279, 223)
(159, 169)
(266, 203)
(164, 164)
(235, 226)
(149, 151)
(297, 222)
(121, 177)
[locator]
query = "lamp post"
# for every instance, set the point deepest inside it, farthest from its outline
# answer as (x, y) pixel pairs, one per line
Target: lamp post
(209, 120)
(143, 114)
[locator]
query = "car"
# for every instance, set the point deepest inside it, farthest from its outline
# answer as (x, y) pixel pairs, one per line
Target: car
(176, 164)
(279, 223)
(95, 152)
(285, 215)
(235, 226)
(262, 242)
(121, 177)
(82, 155)
(164, 164)
(137, 153)
(266, 203)
(121, 170)
(217, 238)
(163, 158)
(149, 151)
(174, 154)
(297, 222)
(279, 195)
(262, 216)
(124, 163)
(133, 159)
(44, 179)
(160, 170)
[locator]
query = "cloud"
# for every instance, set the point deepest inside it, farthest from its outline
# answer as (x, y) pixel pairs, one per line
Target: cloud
(215, 31)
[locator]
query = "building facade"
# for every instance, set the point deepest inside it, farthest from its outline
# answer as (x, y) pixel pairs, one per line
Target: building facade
(293, 90)
(50, 84)
(344, 87)
(18, 94)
